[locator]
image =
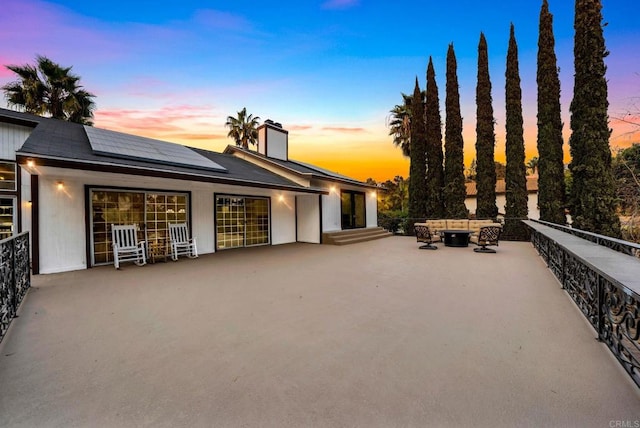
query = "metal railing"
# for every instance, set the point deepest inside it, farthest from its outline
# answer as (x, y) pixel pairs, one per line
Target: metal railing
(612, 308)
(620, 245)
(15, 277)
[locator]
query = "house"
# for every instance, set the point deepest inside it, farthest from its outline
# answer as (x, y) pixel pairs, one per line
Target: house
(67, 183)
(501, 199)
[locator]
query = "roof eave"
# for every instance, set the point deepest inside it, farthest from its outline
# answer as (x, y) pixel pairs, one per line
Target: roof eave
(53, 161)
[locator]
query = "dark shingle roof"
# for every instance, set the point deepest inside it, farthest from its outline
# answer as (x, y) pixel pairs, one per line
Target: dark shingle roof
(68, 142)
(302, 168)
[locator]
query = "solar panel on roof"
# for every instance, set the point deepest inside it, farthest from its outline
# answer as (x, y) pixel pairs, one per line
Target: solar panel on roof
(118, 144)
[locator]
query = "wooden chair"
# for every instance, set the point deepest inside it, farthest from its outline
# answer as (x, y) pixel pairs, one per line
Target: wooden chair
(488, 235)
(181, 244)
(423, 234)
(126, 247)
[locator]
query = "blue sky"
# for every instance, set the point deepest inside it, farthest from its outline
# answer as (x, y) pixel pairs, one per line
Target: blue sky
(329, 71)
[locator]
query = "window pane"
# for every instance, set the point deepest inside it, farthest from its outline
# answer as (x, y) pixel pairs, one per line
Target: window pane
(7, 176)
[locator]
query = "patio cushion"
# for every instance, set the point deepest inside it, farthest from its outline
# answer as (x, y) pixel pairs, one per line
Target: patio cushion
(458, 224)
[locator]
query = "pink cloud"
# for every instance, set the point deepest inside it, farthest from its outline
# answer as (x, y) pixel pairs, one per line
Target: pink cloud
(198, 137)
(51, 30)
(299, 127)
(174, 123)
(342, 129)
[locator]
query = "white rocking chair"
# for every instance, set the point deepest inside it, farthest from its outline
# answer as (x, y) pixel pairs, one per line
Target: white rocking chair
(126, 247)
(181, 244)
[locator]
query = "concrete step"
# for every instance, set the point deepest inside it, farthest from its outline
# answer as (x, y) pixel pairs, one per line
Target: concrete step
(346, 237)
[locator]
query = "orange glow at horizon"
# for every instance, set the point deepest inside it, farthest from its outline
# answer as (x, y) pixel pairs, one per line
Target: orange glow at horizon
(359, 153)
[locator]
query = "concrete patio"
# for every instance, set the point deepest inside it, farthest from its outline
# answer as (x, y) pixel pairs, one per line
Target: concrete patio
(377, 334)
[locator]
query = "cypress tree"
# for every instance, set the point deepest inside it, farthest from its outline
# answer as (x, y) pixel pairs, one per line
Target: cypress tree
(454, 190)
(418, 166)
(485, 138)
(435, 172)
(592, 199)
(515, 176)
(551, 191)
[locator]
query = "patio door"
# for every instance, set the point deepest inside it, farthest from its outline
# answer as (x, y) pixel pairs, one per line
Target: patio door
(241, 221)
(353, 209)
(151, 212)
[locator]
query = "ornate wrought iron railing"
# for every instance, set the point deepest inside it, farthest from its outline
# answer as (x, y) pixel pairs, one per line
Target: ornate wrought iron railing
(612, 308)
(15, 277)
(620, 245)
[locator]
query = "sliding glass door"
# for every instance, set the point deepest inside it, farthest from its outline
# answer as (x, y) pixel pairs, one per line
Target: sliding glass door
(241, 221)
(150, 211)
(353, 209)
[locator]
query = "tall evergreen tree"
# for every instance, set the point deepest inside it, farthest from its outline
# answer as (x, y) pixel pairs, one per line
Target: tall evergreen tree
(516, 173)
(593, 201)
(485, 138)
(454, 188)
(418, 166)
(551, 191)
(435, 171)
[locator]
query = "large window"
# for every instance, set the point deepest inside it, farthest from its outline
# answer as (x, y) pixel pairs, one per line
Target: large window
(7, 223)
(8, 176)
(241, 221)
(151, 212)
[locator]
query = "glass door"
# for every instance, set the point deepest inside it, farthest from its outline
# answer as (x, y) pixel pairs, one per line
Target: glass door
(150, 211)
(353, 209)
(229, 222)
(241, 222)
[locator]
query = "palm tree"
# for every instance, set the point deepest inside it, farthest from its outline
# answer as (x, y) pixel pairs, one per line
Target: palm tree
(399, 125)
(532, 165)
(46, 88)
(243, 128)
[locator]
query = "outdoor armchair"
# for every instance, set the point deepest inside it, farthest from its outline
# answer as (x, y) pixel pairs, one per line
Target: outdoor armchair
(423, 234)
(181, 244)
(488, 235)
(126, 247)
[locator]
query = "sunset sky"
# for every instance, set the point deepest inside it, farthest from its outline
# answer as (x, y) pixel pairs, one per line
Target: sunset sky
(328, 70)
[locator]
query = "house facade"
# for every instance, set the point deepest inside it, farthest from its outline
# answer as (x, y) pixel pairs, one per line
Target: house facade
(72, 182)
(471, 201)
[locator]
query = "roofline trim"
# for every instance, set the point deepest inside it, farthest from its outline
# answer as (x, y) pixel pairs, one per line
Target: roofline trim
(53, 161)
(19, 121)
(302, 174)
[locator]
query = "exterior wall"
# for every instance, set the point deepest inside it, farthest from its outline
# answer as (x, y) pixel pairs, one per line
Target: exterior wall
(372, 209)
(25, 195)
(12, 137)
(308, 214)
(62, 226)
(332, 207)
(331, 211)
(63, 237)
(501, 201)
(283, 219)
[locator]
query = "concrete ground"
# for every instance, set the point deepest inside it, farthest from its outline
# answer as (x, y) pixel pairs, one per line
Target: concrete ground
(378, 334)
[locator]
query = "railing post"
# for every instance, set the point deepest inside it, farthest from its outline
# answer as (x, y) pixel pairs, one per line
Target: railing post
(564, 268)
(12, 281)
(600, 301)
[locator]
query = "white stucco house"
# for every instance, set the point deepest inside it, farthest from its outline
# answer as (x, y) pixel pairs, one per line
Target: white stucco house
(501, 197)
(67, 184)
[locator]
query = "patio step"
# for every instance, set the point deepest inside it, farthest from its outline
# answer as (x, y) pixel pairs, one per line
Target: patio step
(346, 237)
